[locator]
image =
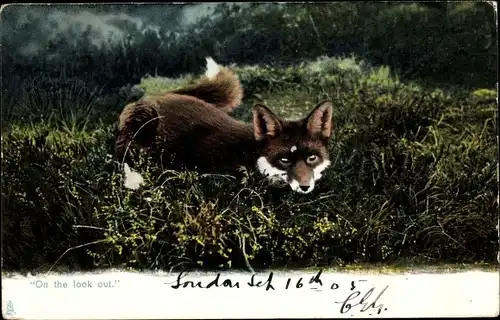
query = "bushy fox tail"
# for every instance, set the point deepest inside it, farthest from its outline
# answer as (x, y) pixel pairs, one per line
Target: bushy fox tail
(220, 86)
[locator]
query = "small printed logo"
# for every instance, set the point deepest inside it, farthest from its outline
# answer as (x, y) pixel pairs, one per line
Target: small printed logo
(10, 309)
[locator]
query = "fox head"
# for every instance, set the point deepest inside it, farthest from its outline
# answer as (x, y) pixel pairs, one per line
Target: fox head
(294, 152)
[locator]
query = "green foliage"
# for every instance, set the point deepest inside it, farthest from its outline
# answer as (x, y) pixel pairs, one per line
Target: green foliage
(413, 176)
(453, 42)
(159, 85)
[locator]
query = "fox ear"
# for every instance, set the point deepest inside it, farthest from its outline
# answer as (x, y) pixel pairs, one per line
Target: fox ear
(319, 121)
(265, 123)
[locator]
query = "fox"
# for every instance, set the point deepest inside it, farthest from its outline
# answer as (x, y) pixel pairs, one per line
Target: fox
(191, 128)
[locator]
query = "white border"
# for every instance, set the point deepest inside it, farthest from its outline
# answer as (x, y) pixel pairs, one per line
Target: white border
(146, 295)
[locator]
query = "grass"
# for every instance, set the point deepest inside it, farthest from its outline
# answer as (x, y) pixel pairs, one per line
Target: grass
(413, 178)
(411, 267)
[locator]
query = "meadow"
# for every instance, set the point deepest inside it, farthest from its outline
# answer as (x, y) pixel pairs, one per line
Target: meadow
(413, 178)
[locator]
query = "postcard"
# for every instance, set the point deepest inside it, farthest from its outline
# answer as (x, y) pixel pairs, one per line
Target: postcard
(250, 160)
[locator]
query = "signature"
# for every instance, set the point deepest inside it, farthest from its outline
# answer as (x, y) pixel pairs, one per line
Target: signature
(365, 303)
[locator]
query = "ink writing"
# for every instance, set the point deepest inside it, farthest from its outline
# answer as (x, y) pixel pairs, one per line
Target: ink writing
(365, 302)
(356, 299)
(214, 283)
(267, 283)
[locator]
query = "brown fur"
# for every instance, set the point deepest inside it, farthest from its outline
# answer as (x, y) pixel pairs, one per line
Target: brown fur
(152, 121)
(195, 134)
(190, 128)
(224, 91)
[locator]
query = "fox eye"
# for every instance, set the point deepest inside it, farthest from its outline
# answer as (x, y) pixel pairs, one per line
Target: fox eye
(284, 161)
(312, 159)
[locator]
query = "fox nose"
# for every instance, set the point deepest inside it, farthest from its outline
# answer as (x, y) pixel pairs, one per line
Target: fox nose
(304, 188)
